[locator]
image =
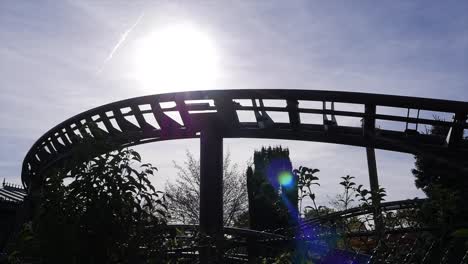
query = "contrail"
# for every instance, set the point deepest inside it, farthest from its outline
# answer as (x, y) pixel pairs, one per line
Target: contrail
(121, 40)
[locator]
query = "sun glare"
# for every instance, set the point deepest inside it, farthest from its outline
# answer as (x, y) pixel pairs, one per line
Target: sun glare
(175, 58)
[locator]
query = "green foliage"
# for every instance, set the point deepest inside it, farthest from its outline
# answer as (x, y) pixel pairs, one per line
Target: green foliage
(346, 199)
(310, 212)
(306, 179)
(443, 179)
(442, 209)
(366, 196)
(109, 212)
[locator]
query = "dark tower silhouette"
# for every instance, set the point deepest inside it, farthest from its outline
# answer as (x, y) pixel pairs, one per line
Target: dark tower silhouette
(270, 204)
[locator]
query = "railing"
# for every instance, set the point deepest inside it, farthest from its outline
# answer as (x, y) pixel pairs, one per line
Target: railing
(322, 242)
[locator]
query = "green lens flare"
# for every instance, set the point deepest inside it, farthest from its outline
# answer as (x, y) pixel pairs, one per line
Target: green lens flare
(285, 178)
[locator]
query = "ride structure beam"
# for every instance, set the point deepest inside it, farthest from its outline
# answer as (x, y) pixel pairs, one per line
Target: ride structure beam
(211, 191)
(455, 135)
(374, 186)
(369, 135)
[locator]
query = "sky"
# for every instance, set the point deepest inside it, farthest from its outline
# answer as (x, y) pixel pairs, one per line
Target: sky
(59, 58)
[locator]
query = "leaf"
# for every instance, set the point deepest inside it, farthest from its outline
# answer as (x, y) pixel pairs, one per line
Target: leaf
(136, 156)
(161, 212)
(162, 204)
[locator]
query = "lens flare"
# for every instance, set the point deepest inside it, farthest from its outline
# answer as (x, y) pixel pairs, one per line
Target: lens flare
(285, 178)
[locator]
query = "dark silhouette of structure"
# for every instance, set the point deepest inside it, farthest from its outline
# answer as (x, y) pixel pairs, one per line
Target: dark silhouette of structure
(214, 115)
(11, 198)
(266, 209)
(272, 204)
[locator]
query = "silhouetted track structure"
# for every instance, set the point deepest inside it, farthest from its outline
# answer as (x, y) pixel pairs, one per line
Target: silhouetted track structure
(406, 242)
(373, 121)
(358, 211)
(145, 119)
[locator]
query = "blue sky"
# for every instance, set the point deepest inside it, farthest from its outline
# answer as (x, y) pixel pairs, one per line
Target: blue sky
(53, 52)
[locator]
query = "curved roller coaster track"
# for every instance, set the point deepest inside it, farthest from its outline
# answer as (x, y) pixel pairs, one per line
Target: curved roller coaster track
(373, 121)
(151, 118)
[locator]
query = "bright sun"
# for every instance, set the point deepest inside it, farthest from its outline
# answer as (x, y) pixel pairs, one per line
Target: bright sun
(175, 58)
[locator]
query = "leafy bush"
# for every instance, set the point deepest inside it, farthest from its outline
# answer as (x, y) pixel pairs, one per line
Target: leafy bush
(109, 212)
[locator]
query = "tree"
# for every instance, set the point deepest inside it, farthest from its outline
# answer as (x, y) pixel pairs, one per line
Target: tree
(430, 171)
(184, 194)
(444, 182)
(108, 212)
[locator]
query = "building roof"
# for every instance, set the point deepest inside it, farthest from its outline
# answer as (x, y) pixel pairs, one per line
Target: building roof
(12, 192)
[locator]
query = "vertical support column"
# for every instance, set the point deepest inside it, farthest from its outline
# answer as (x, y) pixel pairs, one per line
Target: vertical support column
(227, 108)
(455, 135)
(211, 191)
(374, 186)
(293, 112)
(369, 134)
